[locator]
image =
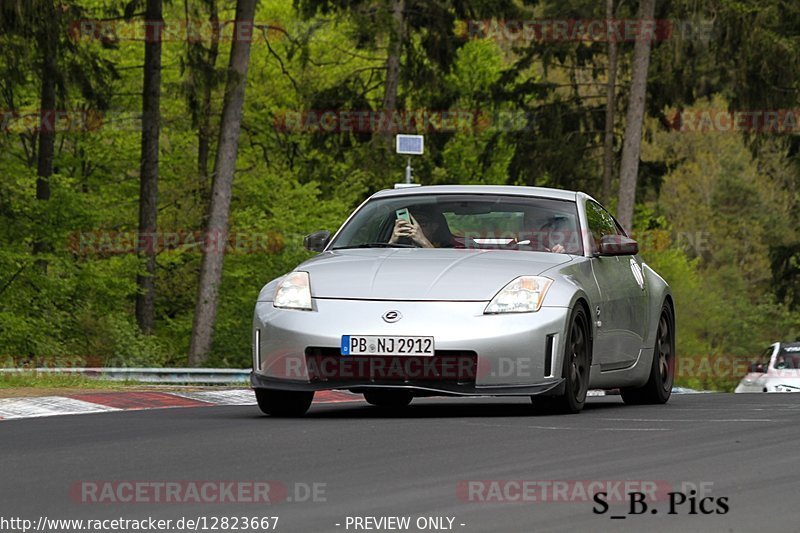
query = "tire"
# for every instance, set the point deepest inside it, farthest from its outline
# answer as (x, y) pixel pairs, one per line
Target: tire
(393, 399)
(658, 388)
(577, 362)
(284, 403)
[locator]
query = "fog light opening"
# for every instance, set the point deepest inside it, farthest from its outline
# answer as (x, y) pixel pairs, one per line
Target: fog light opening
(257, 349)
(550, 354)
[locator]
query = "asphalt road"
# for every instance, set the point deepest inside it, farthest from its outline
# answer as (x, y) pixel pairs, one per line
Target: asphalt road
(440, 458)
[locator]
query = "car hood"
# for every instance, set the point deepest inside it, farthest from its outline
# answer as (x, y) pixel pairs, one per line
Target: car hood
(788, 377)
(422, 274)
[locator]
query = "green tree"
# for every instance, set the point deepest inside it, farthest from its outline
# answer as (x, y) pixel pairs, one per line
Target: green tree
(227, 151)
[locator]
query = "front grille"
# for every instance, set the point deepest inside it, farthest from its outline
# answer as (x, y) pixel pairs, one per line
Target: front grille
(450, 366)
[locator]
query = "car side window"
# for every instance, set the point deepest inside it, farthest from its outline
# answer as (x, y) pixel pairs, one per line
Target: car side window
(601, 223)
(762, 361)
(791, 354)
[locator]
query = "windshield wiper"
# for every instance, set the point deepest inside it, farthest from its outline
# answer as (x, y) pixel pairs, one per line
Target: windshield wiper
(375, 245)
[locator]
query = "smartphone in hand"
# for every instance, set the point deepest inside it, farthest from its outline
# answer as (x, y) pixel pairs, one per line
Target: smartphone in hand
(403, 214)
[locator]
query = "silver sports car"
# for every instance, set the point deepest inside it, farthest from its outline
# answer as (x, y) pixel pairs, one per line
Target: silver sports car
(467, 291)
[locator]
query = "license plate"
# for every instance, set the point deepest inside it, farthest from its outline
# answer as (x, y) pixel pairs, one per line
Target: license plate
(386, 345)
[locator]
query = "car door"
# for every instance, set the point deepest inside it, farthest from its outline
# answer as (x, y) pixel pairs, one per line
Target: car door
(622, 310)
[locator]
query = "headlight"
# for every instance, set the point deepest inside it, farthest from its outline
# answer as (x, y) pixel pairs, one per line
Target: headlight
(294, 292)
(523, 295)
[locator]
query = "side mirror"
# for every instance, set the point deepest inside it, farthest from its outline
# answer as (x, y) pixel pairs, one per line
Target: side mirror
(756, 368)
(317, 241)
(618, 245)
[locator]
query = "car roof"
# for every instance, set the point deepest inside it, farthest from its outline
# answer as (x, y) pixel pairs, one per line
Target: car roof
(790, 345)
(513, 190)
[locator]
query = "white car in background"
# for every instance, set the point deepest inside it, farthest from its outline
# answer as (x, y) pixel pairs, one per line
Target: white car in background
(777, 370)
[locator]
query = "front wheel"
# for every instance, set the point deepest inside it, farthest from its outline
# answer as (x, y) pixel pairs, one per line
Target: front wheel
(658, 388)
(284, 403)
(576, 365)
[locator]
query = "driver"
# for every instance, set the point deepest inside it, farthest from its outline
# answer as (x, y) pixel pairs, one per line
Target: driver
(427, 229)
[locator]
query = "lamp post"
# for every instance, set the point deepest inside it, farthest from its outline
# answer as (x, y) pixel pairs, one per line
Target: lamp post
(409, 145)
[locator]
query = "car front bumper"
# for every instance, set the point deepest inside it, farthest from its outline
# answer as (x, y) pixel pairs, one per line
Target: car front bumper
(476, 354)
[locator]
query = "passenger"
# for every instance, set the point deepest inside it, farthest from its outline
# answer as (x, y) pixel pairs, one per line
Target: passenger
(554, 233)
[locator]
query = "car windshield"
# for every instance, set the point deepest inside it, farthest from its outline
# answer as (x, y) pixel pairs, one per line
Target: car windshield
(472, 221)
(788, 357)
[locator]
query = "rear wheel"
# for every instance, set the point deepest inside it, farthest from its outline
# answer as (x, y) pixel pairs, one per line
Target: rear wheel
(577, 361)
(389, 398)
(284, 403)
(658, 388)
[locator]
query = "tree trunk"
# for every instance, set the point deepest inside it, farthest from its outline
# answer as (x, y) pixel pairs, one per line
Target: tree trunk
(611, 88)
(204, 128)
(48, 43)
(393, 62)
(631, 146)
(148, 182)
(217, 228)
